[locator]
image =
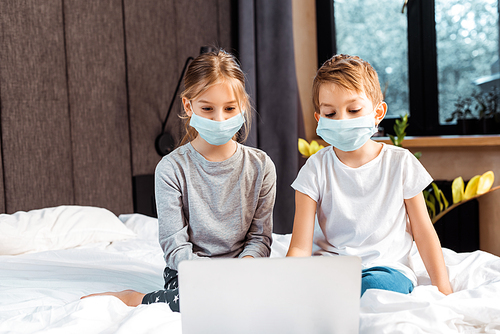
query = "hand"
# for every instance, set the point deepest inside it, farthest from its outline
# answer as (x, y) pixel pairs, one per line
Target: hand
(445, 288)
(129, 297)
(247, 257)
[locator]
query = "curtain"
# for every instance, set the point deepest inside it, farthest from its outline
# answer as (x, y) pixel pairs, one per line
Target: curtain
(265, 50)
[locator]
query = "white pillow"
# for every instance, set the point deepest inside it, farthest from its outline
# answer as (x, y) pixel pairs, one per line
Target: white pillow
(58, 228)
(145, 227)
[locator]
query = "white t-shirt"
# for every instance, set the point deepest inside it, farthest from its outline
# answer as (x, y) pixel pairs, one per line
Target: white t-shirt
(361, 211)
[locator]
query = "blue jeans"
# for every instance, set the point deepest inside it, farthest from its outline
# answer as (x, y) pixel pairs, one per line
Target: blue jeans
(385, 278)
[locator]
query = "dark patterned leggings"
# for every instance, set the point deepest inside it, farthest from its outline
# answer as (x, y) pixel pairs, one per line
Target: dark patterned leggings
(171, 293)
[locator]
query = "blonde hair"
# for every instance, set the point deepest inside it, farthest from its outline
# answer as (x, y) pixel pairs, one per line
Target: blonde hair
(351, 73)
(207, 70)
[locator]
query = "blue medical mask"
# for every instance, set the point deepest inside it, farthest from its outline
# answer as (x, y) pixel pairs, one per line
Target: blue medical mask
(347, 134)
(217, 132)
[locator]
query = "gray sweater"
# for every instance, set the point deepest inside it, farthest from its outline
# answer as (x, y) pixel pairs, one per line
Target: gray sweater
(214, 209)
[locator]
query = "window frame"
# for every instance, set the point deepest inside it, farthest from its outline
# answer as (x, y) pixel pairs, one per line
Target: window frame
(422, 65)
(423, 71)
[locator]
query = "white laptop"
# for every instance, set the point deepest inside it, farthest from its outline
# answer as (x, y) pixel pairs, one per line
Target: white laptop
(270, 295)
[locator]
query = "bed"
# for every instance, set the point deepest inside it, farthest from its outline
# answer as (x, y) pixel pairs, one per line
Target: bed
(83, 250)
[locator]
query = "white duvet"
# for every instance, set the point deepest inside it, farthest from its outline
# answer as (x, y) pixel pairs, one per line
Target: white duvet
(40, 292)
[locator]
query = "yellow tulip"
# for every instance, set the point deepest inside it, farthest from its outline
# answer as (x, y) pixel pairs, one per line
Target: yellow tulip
(307, 149)
(457, 189)
(304, 147)
(471, 189)
(313, 147)
(485, 182)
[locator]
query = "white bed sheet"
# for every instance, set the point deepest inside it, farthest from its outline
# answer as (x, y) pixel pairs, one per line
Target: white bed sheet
(39, 293)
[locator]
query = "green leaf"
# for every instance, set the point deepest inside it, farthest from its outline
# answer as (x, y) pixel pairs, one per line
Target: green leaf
(417, 155)
(438, 197)
(431, 207)
(400, 126)
(431, 204)
(446, 204)
(393, 139)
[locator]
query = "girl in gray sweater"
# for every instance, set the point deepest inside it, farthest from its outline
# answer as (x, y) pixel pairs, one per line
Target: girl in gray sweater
(214, 196)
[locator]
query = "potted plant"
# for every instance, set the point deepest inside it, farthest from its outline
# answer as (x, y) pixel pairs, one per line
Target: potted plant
(478, 113)
(489, 114)
(467, 123)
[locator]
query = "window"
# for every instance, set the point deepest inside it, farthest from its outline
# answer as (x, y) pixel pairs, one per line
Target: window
(467, 49)
(426, 58)
(384, 45)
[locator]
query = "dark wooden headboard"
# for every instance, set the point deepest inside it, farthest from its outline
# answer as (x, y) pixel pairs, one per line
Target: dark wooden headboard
(144, 195)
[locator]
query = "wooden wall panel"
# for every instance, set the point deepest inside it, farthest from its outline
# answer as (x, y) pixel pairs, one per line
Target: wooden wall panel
(2, 190)
(224, 16)
(198, 25)
(153, 71)
(84, 88)
(160, 36)
(98, 104)
(34, 116)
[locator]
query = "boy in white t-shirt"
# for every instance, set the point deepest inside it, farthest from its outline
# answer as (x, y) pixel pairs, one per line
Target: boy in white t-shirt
(367, 196)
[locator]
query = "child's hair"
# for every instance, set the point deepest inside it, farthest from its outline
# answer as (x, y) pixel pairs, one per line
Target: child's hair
(207, 70)
(351, 73)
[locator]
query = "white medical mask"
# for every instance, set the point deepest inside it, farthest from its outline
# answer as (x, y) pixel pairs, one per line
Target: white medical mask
(347, 134)
(217, 132)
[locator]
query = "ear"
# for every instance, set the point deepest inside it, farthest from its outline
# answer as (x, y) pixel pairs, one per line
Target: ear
(317, 116)
(380, 112)
(187, 106)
